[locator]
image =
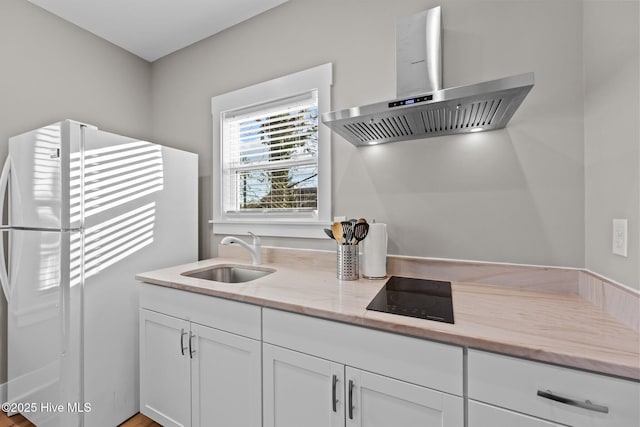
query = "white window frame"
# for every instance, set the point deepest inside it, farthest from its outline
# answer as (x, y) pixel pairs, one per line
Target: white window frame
(305, 224)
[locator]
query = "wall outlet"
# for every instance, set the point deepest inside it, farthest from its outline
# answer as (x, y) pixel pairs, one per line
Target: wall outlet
(620, 237)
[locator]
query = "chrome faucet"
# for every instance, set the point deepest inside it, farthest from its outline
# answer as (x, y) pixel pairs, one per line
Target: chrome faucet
(254, 249)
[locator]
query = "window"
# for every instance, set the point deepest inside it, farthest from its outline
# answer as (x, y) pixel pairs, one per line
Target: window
(271, 157)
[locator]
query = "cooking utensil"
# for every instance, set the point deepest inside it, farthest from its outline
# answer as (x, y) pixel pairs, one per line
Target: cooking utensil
(337, 231)
(347, 232)
(329, 233)
(360, 231)
(361, 220)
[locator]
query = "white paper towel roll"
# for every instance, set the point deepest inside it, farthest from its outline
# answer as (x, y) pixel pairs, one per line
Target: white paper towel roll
(374, 257)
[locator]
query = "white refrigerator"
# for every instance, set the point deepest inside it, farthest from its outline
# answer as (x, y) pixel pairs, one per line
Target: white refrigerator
(87, 210)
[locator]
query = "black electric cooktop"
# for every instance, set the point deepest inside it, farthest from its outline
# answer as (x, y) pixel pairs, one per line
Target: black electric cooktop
(425, 299)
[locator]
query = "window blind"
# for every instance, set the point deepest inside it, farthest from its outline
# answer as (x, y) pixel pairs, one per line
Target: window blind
(270, 156)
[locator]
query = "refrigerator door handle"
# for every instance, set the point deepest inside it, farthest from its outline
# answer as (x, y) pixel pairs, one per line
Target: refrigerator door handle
(4, 186)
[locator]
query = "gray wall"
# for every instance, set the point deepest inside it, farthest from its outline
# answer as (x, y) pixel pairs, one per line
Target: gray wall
(514, 195)
(52, 70)
(612, 134)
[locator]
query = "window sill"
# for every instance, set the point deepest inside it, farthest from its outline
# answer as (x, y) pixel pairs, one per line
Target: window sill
(310, 230)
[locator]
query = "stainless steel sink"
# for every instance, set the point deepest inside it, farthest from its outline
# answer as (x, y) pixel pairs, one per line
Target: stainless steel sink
(230, 273)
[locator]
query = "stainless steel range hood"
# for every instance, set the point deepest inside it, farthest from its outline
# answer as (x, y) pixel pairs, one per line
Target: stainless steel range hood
(423, 109)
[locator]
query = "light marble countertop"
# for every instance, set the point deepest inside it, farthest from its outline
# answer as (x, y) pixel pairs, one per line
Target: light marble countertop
(558, 328)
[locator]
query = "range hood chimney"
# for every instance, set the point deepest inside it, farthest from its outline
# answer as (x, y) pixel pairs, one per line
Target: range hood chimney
(422, 108)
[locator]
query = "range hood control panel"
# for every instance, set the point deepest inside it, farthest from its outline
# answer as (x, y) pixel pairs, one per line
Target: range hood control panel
(410, 101)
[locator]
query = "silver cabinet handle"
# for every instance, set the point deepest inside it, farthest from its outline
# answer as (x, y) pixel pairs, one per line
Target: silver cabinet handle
(334, 400)
(191, 349)
(584, 405)
(182, 347)
(351, 399)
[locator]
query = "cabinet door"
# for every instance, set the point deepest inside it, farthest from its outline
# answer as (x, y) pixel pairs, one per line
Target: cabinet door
(301, 390)
(481, 415)
(377, 401)
(225, 379)
(165, 382)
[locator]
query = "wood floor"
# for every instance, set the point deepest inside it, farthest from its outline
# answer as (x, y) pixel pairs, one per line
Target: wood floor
(18, 420)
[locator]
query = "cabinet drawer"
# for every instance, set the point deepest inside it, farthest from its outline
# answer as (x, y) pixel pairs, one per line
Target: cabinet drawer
(227, 315)
(426, 363)
(515, 383)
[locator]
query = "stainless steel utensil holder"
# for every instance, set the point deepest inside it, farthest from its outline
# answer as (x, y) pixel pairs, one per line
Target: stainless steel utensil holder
(348, 262)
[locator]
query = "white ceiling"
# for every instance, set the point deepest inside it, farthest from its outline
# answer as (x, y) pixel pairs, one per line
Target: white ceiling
(152, 29)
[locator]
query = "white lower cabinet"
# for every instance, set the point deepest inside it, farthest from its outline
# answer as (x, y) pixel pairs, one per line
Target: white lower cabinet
(303, 390)
(378, 401)
(314, 375)
(225, 379)
(210, 362)
(196, 375)
(536, 394)
(165, 373)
